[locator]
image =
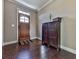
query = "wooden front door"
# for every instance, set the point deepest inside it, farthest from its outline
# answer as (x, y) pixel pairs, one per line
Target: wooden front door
(23, 27)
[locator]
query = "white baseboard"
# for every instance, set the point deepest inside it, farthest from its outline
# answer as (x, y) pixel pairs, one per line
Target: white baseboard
(68, 49)
(7, 43)
(39, 38)
(33, 38)
(65, 48)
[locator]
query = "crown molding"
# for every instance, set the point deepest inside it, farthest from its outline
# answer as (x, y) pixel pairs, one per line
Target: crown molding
(30, 6)
(45, 5)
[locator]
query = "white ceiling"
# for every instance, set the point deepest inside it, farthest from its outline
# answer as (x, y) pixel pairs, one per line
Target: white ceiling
(35, 4)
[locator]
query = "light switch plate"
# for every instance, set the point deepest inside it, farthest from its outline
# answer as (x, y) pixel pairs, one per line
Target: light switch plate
(12, 25)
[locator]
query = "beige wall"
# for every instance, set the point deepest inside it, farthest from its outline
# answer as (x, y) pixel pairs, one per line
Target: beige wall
(66, 9)
(10, 17)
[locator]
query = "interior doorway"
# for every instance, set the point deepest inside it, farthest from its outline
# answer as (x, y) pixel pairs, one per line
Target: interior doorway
(23, 27)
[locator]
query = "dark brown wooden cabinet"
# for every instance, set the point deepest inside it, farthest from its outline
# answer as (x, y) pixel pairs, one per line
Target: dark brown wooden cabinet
(51, 33)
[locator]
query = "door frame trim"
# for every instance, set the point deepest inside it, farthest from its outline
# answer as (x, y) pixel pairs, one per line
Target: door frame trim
(17, 23)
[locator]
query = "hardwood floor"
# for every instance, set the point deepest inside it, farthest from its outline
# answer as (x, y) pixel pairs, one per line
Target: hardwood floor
(34, 51)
